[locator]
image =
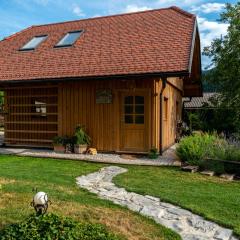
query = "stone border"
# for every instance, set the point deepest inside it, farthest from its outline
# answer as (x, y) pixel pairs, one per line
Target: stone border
(188, 225)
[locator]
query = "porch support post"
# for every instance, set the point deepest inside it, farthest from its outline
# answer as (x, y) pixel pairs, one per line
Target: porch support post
(164, 82)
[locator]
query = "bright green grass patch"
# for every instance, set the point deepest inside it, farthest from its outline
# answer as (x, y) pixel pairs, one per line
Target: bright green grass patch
(211, 197)
(19, 175)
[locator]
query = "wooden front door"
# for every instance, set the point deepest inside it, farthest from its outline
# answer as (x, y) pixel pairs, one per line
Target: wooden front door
(134, 121)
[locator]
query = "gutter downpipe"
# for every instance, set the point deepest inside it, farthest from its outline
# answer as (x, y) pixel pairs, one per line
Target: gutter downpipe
(164, 83)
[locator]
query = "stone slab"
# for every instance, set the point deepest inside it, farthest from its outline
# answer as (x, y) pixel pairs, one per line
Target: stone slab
(189, 168)
(229, 177)
(208, 173)
(188, 225)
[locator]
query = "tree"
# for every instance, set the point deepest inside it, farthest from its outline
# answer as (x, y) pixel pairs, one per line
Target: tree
(225, 56)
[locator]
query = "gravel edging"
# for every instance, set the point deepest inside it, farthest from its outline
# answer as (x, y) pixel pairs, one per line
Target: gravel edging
(98, 158)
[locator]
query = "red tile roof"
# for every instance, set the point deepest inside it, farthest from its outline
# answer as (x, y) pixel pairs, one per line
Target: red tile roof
(156, 41)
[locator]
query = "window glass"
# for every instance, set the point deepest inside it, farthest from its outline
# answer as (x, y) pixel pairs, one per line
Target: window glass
(139, 109)
(134, 109)
(139, 119)
(165, 114)
(32, 44)
(139, 100)
(128, 119)
(128, 100)
(128, 109)
(69, 39)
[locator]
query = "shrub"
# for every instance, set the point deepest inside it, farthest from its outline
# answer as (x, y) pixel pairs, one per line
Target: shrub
(153, 153)
(222, 150)
(51, 226)
(192, 149)
(234, 139)
(232, 153)
(222, 155)
(209, 152)
(195, 121)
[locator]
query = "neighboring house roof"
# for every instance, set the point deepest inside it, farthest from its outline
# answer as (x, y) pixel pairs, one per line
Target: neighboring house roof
(199, 102)
(155, 41)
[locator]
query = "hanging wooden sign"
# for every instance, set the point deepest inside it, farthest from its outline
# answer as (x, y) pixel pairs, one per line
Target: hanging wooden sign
(103, 96)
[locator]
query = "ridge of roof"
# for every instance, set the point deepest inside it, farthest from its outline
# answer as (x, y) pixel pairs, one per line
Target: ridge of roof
(175, 8)
(188, 14)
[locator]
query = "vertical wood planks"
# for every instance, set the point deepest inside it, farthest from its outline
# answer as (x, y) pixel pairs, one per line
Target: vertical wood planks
(102, 121)
(74, 102)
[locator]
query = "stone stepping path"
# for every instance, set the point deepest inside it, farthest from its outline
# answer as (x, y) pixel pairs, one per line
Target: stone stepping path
(188, 225)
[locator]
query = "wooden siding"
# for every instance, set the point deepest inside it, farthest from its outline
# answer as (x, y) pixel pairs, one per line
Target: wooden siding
(71, 103)
(77, 105)
(173, 94)
(23, 125)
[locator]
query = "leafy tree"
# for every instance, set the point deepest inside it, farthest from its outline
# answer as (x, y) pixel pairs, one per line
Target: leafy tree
(225, 55)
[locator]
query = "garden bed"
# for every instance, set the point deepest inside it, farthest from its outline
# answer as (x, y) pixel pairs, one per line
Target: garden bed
(210, 153)
(230, 167)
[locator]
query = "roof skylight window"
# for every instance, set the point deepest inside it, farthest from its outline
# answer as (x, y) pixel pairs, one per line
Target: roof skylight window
(69, 39)
(33, 43)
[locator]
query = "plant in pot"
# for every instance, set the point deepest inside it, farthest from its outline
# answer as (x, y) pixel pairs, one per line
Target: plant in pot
(81, 140)
(59, 144)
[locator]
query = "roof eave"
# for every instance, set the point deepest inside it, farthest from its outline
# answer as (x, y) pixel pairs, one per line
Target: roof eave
(195, 30)
(60, 79)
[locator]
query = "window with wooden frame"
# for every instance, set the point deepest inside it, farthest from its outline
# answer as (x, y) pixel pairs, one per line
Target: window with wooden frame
(40, 107)
(134, 110)
(165, 109)
(177, 111)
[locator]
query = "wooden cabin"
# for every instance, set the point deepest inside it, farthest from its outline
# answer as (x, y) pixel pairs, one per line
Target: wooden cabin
(121, 76)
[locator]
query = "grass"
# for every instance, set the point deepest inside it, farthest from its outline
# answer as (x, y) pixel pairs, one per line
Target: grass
(19, 175)
(211, 197)
(216, 199)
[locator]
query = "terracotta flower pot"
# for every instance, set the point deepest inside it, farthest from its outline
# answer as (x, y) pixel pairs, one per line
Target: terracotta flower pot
(80, 148)
(59, 148)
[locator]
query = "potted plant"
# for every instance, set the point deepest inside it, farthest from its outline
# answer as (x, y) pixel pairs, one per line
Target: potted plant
(59, 144)
(81, 140)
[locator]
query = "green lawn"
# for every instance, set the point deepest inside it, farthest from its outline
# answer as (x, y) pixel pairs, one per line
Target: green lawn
(211, 197)
(19, 175)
